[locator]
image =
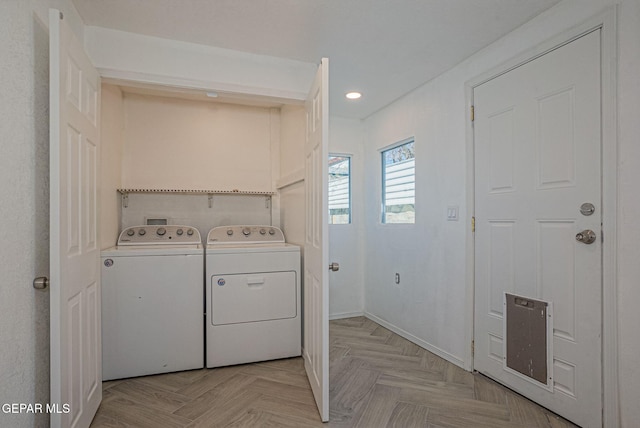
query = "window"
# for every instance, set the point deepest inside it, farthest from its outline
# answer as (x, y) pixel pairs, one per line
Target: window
(339, 189)
(399, 184)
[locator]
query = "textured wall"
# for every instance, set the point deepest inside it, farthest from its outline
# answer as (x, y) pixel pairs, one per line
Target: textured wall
(24, 129)
(629, 211)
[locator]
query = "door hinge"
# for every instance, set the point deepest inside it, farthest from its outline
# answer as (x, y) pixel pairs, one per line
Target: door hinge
(473, 113)
(473, 225)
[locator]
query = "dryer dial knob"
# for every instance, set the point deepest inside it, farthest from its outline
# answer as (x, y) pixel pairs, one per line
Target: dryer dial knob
(246, 231)
(190, 232)
(272, 231)
(229, 232)
(161, 231)
(142, 232)
(131, 232)
(263, 232)
(179, 232)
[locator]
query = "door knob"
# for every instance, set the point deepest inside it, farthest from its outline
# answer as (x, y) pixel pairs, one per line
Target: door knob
(586, 236)
(334, 267)
(40, 283)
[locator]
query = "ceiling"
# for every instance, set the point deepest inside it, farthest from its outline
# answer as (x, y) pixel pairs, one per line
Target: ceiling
(383, 48)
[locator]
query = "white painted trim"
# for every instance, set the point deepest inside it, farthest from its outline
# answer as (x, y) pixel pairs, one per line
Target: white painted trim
(410, 337)
(345, 315)
(296, 176)
(607, 22)
(402, 142)
(470, 264)
(609, 55)
(117, 76)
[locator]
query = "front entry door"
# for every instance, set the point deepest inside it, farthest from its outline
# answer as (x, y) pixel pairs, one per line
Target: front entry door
(76, 357)
(537, 143)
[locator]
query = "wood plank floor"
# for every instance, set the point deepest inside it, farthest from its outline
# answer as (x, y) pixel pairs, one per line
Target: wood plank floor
(377, 379)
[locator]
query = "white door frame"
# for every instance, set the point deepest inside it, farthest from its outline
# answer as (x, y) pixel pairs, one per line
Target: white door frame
(608, 25)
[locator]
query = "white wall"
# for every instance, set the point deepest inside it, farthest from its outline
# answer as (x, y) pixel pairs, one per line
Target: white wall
(629, 211)
(24, 192)
(430, 303)
(183, 144)
(111, 145)
(346, 243)
(291, 184)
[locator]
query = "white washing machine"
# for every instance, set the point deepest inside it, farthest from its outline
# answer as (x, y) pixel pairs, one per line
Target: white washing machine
(152, 309)
(252, 295)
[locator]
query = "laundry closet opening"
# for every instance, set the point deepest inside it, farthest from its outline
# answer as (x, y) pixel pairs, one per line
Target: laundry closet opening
(181, 141)
(175, 163)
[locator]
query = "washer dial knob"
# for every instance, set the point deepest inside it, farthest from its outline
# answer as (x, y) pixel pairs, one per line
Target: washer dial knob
(190, 232)
(161, 231)
(230, 232)
(179, 232)
(246, 231)
(142, 232)
(272, 231)
(263, 232)
(131, 232)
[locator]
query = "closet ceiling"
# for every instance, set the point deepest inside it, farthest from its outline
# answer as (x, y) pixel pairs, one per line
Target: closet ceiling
(382, 48)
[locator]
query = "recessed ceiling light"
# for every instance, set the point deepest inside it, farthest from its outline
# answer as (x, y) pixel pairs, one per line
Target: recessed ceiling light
(212, 94)
(353, 95)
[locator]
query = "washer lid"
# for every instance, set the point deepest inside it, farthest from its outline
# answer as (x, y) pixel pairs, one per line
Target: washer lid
(153, 250)
(243, 235)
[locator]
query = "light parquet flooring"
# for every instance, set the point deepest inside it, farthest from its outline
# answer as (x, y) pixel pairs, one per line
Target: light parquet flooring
(377, 379)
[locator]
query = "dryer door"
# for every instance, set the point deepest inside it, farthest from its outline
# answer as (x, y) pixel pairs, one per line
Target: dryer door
(253, 297)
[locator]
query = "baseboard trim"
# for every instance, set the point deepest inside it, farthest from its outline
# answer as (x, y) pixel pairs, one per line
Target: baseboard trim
(345, 315)
(433, 349)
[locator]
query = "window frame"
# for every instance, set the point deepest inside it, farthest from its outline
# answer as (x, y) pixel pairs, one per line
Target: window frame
(382, 151)
(350, 202)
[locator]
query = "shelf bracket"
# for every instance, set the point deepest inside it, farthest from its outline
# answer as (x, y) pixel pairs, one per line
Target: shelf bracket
(125, 199)
(210, 200)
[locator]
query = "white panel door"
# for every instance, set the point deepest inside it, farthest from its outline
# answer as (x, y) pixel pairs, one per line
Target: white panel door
(537, 137)
(76, 377)
(316, 248)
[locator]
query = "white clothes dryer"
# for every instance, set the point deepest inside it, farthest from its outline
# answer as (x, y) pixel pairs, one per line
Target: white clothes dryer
(252, 296)
(152, 309)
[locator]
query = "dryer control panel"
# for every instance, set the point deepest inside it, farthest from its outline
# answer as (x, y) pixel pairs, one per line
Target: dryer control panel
(159, 235)
(245, 235)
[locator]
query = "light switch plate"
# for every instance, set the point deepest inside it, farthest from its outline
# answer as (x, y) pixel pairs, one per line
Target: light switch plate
(452, 213)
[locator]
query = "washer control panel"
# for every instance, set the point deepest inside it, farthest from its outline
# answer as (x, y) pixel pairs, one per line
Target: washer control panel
(245, 235)
(159, 235)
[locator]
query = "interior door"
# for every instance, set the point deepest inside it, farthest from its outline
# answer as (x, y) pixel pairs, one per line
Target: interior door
(537, 136)
(316, 248)
(76, 373)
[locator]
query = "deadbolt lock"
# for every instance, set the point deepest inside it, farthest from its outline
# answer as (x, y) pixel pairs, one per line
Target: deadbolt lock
(587, 209)
(586, 236)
